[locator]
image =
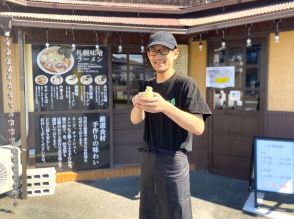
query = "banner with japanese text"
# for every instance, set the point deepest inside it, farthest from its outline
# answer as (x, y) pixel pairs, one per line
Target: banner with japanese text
(69, 80)
(73, 142)
(71, 107)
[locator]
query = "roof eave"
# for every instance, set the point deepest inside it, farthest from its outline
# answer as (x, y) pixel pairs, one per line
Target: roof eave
(99, 27)
(180, 10)
(239, 22)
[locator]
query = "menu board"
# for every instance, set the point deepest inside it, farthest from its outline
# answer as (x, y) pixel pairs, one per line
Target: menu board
(72, 142)
(69, 80)
(67, 83)
(274, 162)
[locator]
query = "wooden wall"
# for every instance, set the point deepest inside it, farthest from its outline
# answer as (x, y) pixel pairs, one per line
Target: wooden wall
(280, 125)
(126, 139)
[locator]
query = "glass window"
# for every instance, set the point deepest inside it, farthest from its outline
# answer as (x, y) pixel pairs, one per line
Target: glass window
(129, 71)
(219, 100)
(251, 101)
(235, 100)
(244, 96)
(235, 58)
(119, 79)
(219, 58)
(136, 73)
(119, 61)
(252, 78)
(252, 54)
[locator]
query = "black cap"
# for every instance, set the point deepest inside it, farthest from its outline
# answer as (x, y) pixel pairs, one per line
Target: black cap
(162, 38)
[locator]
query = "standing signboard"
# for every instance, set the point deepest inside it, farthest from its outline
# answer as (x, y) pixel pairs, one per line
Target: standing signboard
(273, 165)
(71, 107)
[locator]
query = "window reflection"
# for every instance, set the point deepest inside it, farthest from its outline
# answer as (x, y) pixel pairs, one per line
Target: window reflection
(119, 79)
(136, 73)
(235, 99)
(252, 55)
(220, 99)
(252, 78)
(235, 58)
(119, 61)
(251, 101)
(129, 72)
(244, 96)
(219, 58)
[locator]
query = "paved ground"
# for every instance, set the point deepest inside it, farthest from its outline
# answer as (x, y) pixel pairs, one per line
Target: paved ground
(213, 197)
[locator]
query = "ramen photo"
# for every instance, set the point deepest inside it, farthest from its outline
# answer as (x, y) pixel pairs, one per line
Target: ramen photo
(41, 80)
(56, 79)
(54, 60)
(71, 79)
(86, 79)
(100, 79)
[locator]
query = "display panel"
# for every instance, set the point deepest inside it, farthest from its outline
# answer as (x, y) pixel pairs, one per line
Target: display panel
(70, 80)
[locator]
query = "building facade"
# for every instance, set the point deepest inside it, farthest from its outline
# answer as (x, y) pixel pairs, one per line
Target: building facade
(73, 114)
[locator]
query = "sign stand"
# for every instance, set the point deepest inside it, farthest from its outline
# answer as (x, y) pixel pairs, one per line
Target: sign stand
(272, 166)
(271, 171)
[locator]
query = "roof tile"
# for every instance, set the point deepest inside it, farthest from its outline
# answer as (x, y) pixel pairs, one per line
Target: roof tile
(156, 22)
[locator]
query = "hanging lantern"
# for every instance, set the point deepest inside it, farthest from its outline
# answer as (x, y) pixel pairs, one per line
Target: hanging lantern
(73, 45)
(120, 49)
(97, 44)
(47, 39)
(223, 44)
(200, 46)
(142, 43)
(249, 41)
(7, 33)
(277, 32)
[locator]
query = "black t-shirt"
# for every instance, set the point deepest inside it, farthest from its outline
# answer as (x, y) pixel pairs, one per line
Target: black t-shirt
(160, 131)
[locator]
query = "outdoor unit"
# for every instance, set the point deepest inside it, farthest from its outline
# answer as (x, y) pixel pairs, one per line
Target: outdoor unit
(6, 165)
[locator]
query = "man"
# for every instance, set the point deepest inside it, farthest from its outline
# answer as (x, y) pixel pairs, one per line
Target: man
(174, 111)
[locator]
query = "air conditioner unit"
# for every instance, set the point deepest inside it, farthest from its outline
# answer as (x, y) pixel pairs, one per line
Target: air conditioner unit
(6, 165)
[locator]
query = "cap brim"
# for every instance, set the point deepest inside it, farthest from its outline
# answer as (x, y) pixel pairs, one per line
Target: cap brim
(168, 45)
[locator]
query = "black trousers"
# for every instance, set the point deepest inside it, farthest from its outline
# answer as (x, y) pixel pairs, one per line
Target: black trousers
(165, 186)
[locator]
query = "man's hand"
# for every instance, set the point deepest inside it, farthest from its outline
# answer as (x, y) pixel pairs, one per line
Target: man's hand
(154, 104)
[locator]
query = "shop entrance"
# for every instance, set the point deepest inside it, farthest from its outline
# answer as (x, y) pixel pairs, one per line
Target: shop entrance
(238, 110)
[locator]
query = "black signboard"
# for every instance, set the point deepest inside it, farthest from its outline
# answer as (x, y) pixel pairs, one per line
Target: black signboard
(70, 80)
(73, 142)
(67, 83)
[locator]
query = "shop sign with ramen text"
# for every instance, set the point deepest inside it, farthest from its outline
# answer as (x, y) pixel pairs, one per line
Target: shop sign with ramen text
(70, 80)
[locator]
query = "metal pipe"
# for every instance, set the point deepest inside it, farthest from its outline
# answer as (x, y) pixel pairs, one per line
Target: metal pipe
(23, 114)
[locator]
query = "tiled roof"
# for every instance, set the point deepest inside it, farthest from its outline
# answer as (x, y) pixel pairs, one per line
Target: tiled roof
(188, 7)
(111, 4)
(259, 11)
(75, 3)
(95, 19)
(275, 11)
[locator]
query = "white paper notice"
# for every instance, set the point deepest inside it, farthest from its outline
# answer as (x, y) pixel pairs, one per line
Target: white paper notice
(220, 77)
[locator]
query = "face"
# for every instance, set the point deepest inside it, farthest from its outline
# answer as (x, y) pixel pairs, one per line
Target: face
(161, 58)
